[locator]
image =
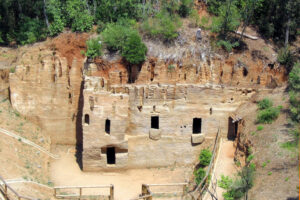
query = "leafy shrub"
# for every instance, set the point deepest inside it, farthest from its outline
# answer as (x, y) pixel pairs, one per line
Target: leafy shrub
(78, 17)
(294, 78)
(285, 57)
(134, 50)
(56, 19)
(56, 27)
(205, 157)
(199, 175)
(238, 187)
(185, 8)
(115, 35)
(12, 70)
(265, 103)
(82, 22)
(194, 18)
(227, 45)
(122, 36)
(162, 26)
(31, 30)
(100, 26)
(267, 116)
(259, 128)
(93, 48)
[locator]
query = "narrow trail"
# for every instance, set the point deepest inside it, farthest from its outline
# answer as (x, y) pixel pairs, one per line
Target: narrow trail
(224, 166)
(26, 141)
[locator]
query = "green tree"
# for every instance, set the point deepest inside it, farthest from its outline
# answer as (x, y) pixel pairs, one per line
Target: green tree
(56, 18)
(134, 50)
(78, 17)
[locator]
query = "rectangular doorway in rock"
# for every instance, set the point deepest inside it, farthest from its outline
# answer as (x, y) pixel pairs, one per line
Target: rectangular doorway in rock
(232, 129)
(197, 123)
(107, 126)
(155, 122)
(111, 155)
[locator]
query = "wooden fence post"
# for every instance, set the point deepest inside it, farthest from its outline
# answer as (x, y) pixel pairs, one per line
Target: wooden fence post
(111, 196)
(184, 190)
(54, 192)
(5, 190)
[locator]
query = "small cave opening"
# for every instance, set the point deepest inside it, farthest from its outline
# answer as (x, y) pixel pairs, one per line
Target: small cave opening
(107, 126)
(111, 155)
(232, 129)
(245, 71)
(87, 119)
(155, 122)
(197, 123)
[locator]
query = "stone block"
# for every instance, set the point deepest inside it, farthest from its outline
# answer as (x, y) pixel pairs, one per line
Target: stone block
(154, 134)
(197, 138)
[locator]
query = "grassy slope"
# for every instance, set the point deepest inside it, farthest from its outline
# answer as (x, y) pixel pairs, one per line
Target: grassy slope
(277, 168)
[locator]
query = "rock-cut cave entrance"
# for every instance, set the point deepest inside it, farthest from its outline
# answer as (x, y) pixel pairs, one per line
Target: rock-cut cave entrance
(111, 155)
(155, 122)
(232, 129)
(107, 126)
(197, 123)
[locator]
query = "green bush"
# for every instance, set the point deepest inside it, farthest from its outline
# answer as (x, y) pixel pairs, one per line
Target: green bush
(268, 115)
(162, 26)
(294, 78)
(237, 188)
(134, 50)
(205, 157)
(78, 16)
(285, 57)
(100, 26)
(265, 103)
(123, 37)
(194, 18)
(56, 27)
(259, 128)
(31, 30)
(93, 48)
(199, 175)
(115, 35)
(57, 23)
(185, 8)
(227, 45)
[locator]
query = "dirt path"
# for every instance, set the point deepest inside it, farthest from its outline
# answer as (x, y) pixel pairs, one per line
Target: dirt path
(127, 184)
(224, 165)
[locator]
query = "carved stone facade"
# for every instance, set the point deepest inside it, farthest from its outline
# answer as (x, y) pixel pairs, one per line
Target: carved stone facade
(156, 125)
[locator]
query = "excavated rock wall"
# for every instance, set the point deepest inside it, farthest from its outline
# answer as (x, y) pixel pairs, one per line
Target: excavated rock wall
(46, 90)
(129, 109)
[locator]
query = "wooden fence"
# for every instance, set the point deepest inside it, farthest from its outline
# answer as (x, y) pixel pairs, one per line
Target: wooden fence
(199, 191)
(9, 193)
(59, 193)
(147, 194)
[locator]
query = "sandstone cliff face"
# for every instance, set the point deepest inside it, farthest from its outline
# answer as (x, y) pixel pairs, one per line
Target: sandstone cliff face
(45, 89)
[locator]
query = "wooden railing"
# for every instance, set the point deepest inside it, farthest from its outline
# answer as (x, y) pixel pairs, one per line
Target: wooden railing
(9, 193)
(59, 193)
(198, 192)
(147, 194)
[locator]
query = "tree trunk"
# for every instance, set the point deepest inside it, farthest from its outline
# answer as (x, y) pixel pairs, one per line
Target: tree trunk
(45, 14)
(87, 6)
(287, 33)
(20, 7)
(95, 7)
